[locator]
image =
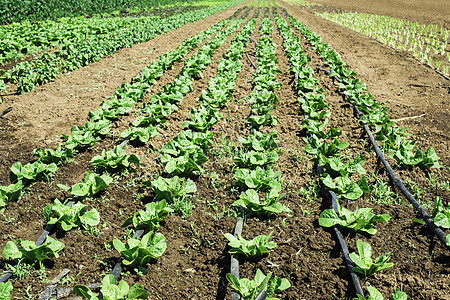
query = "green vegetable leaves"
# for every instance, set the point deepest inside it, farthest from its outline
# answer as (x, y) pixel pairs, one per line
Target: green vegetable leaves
(91, 185)
(28, 251)
(111, 291)
(68, 217)
(255, 247)
(249, 289)
(362, 219)
(139, 252)
(363, 260)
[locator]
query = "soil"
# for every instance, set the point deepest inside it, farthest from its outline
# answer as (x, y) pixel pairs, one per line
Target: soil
(196, 260)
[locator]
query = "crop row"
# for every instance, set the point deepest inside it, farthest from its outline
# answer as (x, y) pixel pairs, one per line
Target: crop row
(46, 67)
(38, 10)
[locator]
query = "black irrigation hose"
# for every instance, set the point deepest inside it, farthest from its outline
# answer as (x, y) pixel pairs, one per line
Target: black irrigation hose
(248, 57)
(348, 261)
(334, 205)
(262, 295)
(253, 40)
(234, 264)
(5, 112)
(395, 179)
(393, 176)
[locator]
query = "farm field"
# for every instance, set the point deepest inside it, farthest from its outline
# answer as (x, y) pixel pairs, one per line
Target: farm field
(210, 104)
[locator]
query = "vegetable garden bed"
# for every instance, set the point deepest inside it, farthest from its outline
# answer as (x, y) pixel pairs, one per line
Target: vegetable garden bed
(194, 120)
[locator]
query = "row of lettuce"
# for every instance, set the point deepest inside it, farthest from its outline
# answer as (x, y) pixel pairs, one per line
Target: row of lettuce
(393, 140)
(136, 252)
(260, 185)
(40, 10)
(339, 168)
(88, 43)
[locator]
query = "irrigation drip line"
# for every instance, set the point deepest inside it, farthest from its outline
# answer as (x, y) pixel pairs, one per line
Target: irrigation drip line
(248, 57)
(234, 264)
(262, 295)
(348, 261)
(396, 180)
(5, 112)
(254, 40)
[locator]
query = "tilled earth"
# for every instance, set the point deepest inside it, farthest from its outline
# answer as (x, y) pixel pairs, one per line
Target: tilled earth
(196, 260)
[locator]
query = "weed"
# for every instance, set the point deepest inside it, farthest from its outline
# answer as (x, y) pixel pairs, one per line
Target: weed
(381, 193)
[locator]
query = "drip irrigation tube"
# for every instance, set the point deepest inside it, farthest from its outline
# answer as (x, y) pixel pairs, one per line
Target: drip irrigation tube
(248, 57)
(334, 205)
(234, 265)
(348, 261)
(393, 176)
(5, 112)
(262, 295)
(253, 40)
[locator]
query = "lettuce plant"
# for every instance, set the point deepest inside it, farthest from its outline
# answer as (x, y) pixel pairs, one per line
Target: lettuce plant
(252, 248)
(154, 212)
(362, 219)
(29, 252)
(253, 159)
(259, 141)
(363, 260)
(68, 217)
(440, 214)
(259, 179)
(11, 192)
(115, 159)
(374, 294)
(31, 172)
(344, 187)
(111, 291)
(58, 156)
(79, 141)
(186, 163)
(249, 289)
(172, 188)
(140, 134)
(252, 205)
(202, 119)
(138, 253)
(91, 185)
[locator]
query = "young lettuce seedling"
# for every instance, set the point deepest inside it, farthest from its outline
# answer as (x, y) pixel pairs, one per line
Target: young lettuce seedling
(363, 260)
(252, 248)
(252, 205)
(138, 253)
(68, 217)
(249, 289)
(29, 252)
(362, 219)
(91, 185)
(154, 212)
(111, 291)
(374, 294)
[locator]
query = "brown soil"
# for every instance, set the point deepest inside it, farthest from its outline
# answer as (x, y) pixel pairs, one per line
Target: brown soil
(196, 260)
